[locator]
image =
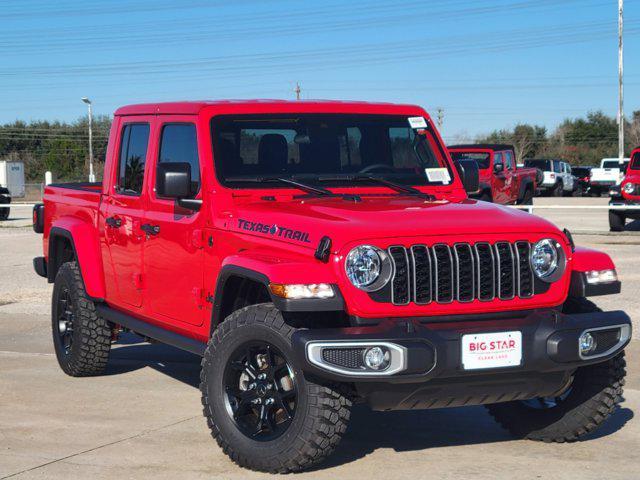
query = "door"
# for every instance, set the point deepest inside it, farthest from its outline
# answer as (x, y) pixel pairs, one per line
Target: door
(500, 185)
(510, 171)
(568, 177)
(123, 212)
(173, 251)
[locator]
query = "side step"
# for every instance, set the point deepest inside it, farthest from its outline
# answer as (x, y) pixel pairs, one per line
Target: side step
(152, 331)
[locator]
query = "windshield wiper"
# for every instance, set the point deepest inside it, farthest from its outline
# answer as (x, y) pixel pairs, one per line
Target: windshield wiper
(405, 189)
(305, 187)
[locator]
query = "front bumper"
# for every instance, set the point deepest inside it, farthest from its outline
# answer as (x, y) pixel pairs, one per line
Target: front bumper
(432, 374)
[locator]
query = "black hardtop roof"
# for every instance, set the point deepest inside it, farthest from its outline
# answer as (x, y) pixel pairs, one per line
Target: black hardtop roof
(484, 146)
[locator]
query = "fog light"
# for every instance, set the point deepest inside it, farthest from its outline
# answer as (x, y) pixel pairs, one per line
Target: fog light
(587, 344)
(377, 358)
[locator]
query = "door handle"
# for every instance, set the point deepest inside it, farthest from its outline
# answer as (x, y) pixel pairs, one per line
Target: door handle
(113, 222)
(150, 229)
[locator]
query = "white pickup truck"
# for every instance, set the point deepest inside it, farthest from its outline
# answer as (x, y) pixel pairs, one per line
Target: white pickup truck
(609, 174)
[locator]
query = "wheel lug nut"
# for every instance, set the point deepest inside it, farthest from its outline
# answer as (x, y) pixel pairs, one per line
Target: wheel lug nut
(252, 386)
(262, 376)
(269, 401)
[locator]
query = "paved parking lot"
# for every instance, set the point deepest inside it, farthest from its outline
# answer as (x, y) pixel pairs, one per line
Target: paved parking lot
(143, 419)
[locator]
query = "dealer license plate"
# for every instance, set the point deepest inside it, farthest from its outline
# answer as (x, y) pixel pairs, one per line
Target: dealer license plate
(491, 350)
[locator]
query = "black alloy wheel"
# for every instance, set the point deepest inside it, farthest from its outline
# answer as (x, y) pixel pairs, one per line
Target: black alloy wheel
(261, 392)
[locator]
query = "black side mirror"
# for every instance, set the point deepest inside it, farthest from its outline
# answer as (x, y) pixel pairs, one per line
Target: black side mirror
(173, 180)
(470, 174)
(498, 167)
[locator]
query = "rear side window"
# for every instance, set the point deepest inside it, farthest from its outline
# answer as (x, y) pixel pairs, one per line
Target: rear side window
(635, 162)
(133, 156)
(179, 145)
(498, 159)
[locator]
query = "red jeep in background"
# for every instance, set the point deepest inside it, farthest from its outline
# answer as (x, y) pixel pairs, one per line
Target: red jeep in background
(626, 194)
(501, 181)
(317, 254)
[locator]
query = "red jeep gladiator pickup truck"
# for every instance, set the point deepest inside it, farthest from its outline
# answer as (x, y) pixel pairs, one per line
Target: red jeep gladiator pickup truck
(318, 254)
(501, 181)
(626, 194)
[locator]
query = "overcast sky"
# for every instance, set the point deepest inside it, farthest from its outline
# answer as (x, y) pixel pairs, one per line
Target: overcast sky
(488, 63)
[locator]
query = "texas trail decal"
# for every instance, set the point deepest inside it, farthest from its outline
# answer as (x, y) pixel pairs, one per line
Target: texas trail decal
(274, 230)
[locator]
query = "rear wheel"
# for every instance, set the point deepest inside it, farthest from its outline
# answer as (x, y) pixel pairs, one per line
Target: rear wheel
(616, 221)
(527, 198)
(261, 409)
(4, 213)
(557, 190)
(81, 339)
(585, 403)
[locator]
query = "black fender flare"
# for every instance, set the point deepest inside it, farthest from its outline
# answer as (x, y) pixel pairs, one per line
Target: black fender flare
(283, 304)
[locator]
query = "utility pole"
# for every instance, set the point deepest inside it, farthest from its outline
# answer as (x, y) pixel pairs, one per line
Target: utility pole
(440, 117)
(297, 90)
(620, 81)
(92, 177)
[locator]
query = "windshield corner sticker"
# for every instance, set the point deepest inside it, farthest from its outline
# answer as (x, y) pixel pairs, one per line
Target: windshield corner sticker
(440, 175)
(417, 122)
(274, 230)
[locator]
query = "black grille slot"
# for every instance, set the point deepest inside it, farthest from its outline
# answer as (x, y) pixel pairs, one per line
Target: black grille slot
(421, 273)
(506, 270)
(465, 272)
(486, 271)
(525, 273)
(400, 285)
(351, 358)
(443, 269)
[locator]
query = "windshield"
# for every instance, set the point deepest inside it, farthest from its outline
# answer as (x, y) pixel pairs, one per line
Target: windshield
(482, 158)
(328, 148)
(581, 171)
(635, 162)
(541, 164)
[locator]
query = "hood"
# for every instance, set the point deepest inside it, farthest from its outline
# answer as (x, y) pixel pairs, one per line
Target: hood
(306, 221)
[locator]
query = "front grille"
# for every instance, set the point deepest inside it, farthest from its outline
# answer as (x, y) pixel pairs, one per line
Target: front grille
(462, 272)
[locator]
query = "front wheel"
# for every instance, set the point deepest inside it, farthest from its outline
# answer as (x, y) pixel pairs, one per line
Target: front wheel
(4, 213)
(261, 409)
(557, 190)
(590, 397)
(616, 221)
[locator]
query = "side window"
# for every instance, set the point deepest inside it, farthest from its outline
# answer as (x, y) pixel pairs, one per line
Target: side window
(178, 144)
(498, 159)
(556, 166)
(508, 156)
(133, 156)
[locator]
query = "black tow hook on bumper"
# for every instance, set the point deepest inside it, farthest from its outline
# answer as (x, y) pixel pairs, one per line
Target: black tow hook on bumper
(550, 343)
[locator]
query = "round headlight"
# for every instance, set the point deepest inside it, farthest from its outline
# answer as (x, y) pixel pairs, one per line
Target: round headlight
(368, 268)
(629, 188)
(544, 258)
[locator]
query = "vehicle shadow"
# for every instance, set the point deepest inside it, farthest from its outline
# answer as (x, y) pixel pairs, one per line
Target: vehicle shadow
(368, 430)
(633, 226)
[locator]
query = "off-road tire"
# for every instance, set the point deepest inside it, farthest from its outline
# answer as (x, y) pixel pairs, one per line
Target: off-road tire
(557, 190)
(616, 221)
(485, 197)
(4, 213)
(89, 351)
(527, 197)
(595, 392)
(321, 414)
